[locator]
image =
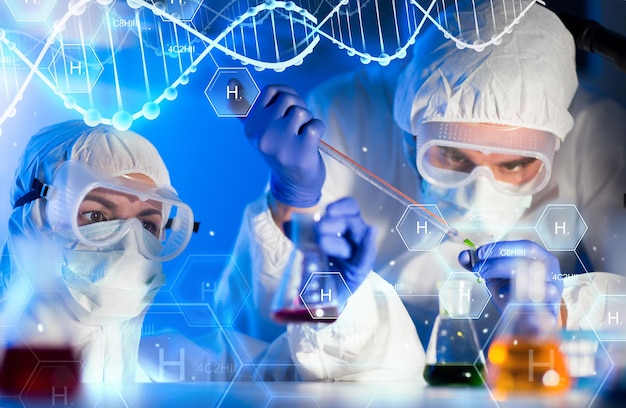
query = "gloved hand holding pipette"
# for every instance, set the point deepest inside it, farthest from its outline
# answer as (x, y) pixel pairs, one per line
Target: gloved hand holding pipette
(497, 262)
(484, 155)
(287, 135)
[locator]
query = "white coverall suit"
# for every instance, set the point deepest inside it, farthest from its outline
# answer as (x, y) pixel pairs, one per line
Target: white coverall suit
(364, 120)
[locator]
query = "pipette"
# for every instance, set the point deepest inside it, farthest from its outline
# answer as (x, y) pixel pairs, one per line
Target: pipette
(393, 192)
(382, 185)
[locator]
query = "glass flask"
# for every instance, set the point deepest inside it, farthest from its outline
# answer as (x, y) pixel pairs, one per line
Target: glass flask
(311, 289)
(525, 355)
(454, 355)
(587, 359)
(36, 359)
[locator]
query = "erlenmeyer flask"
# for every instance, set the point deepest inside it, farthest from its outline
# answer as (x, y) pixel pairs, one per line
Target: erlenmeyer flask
(311, 289)
(454, 355)
(525, 354)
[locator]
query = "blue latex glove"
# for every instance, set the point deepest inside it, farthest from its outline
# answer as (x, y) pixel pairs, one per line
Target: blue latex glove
(495, 263)
(347, 240)
(287, 135)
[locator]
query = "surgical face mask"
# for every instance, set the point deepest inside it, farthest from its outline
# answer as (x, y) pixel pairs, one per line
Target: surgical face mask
(477, 205)
(109, 286)
(147, 243)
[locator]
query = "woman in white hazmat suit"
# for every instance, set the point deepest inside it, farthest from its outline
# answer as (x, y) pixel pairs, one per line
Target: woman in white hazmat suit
(85, 244)
(527, 82)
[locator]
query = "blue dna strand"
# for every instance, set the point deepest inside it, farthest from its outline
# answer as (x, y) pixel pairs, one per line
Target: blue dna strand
(114, 62)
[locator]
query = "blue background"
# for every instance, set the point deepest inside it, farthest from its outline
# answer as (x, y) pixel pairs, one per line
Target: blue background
(212, 165)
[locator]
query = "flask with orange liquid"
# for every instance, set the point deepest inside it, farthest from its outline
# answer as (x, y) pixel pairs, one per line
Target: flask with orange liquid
(525, 355)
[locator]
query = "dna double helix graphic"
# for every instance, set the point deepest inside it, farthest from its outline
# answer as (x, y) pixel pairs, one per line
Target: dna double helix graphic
(115, 61)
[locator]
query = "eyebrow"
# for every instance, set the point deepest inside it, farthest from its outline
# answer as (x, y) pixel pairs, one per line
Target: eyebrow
(516, 162)
(150, 211)
(454, 150)
(101, 200)
(112, 206)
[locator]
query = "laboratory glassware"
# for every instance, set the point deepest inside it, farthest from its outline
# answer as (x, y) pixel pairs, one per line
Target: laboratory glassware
(311, 287)
(36, 357)
(454, 355)
(525, 355)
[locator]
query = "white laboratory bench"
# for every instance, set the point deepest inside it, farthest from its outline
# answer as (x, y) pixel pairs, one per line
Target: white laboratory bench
(302, 395)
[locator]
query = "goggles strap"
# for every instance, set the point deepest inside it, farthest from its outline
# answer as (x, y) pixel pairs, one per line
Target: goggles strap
(38, 189)
(168, 225)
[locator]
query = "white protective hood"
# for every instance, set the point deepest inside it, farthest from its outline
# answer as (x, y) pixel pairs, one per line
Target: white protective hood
(108, 351)
(528, 80)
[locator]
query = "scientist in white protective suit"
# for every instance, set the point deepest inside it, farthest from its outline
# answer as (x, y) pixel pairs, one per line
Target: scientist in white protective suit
(86, 239)
(487, 137)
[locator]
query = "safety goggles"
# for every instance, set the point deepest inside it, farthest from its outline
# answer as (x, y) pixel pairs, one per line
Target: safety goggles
(517, 161)
(80, 197)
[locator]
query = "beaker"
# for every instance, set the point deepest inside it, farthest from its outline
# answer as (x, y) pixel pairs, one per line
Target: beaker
(36, 358)
(454, 355)
(311, 288)
(525, 355)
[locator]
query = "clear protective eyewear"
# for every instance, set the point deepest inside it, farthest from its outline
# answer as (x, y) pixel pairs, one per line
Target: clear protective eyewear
(517, 161)
(80, 196)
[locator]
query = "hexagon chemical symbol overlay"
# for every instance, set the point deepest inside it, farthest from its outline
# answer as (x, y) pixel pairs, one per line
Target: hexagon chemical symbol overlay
(419, 232)
(544, 359)
(75, 68)
(561, 227)
(463, 295)
(197, 280)
(323, 295)
(608, 317)
(232, 92)
(33, 10)
(47, 373)
(184, 343)
(183, 10)
(525, 356)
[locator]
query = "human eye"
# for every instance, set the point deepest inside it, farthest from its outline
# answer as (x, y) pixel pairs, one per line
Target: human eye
(150, 226)
(511, 167)
(92, 217)
(455, 157)
(517, 165)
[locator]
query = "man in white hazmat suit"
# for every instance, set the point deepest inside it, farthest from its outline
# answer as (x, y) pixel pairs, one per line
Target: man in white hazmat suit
(86, 239)
(481, 129)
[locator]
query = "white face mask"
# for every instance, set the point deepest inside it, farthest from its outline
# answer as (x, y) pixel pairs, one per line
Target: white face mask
(477, 205)
(112, 286)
